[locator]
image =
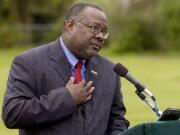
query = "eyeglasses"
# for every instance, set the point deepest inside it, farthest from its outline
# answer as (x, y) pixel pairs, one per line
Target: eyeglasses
(97, 29)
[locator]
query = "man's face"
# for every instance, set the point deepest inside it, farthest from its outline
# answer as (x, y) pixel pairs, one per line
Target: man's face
(88, 32)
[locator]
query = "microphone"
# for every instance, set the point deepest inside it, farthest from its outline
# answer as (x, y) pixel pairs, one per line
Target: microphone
(123, 72)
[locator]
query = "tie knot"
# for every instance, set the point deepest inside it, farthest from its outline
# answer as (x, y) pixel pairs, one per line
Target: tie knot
(79, 65)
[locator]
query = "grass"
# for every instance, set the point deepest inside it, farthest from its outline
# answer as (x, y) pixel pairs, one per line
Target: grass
(161, 74)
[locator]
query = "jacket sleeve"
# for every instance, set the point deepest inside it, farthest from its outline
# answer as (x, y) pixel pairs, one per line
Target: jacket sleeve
(22, 108)
(117, 122)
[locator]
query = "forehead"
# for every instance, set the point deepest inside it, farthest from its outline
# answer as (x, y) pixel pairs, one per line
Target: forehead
(94, 15)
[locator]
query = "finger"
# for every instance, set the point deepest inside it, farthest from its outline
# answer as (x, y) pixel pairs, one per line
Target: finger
(88, 86)
(88, 98)
(90, 91)
(82, 83)
(71, 80)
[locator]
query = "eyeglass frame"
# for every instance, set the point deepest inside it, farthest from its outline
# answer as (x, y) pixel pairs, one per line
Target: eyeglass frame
(94, 29)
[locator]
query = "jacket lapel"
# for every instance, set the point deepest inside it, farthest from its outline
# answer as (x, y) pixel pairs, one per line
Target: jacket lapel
(92, 70)
(59, 61)
(92, 74)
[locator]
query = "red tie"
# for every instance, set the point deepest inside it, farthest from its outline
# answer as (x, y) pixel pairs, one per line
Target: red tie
(78, 67)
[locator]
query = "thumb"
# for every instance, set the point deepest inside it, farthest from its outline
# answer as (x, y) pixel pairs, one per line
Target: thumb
(71, 80)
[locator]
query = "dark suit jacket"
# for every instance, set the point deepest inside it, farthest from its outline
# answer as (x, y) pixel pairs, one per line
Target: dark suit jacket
(37, 102)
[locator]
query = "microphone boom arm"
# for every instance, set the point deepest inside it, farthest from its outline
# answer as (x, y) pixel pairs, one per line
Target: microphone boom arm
(152, 105)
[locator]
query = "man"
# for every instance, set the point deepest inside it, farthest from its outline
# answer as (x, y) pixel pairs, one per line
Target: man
(65, 87)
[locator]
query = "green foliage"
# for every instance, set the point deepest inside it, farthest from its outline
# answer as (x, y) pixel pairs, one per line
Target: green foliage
(24, 22)
(138, 36)
(49, 11)
(8, 37)
(4, 11)
(170, 20)
(147, 26)
(134, 26)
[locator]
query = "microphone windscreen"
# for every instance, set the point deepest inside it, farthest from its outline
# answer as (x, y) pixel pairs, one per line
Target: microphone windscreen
(120, 70)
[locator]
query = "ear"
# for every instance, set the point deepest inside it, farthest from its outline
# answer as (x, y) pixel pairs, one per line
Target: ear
(69, 25)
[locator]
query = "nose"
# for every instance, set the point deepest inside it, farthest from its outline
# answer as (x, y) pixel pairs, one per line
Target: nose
(100, 36)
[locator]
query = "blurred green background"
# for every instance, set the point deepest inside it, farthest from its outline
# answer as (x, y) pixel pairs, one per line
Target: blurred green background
(144, 36)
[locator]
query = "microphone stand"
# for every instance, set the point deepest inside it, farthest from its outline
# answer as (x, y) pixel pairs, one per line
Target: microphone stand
(152, 104)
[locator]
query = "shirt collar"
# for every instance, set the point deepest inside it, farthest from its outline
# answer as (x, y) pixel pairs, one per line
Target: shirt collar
(71, 58)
